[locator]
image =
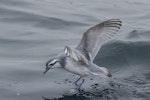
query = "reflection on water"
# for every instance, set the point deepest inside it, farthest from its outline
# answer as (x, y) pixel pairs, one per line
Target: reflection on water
(34, 30)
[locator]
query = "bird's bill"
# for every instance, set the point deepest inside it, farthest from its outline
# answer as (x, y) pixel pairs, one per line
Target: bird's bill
(46, 70)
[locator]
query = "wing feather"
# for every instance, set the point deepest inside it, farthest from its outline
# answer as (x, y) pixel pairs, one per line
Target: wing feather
(94, 37)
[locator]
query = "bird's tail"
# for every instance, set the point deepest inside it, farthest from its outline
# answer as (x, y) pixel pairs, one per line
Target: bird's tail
(106, 72)
(99, 71)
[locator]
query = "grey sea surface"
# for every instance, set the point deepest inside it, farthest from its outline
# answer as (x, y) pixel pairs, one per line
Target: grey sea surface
(31, 31)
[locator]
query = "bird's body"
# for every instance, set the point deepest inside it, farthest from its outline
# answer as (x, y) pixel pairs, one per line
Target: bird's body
(79, 60)
(76, 68)
(80, 68)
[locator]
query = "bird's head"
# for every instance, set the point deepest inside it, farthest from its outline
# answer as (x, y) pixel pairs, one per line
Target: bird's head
(52, 63)
(59, 60)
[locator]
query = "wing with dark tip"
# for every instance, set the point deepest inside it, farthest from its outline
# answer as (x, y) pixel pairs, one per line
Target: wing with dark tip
(94, 37)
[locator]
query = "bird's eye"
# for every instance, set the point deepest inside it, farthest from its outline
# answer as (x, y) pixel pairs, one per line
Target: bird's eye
(52, 64)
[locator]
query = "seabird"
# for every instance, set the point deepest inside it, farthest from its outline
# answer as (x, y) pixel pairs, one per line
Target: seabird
(79, 60)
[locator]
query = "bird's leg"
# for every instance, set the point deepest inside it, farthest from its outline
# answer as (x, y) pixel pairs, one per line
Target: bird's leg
(79, 86)
(77, 81)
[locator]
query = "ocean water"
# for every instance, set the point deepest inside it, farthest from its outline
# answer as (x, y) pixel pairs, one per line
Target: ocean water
(31, 31)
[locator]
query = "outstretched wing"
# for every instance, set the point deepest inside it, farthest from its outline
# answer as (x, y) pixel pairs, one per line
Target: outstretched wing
(94, 37)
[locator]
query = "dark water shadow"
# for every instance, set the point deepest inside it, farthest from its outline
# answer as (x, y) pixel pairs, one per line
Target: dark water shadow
(114, 91)
(72, 97)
